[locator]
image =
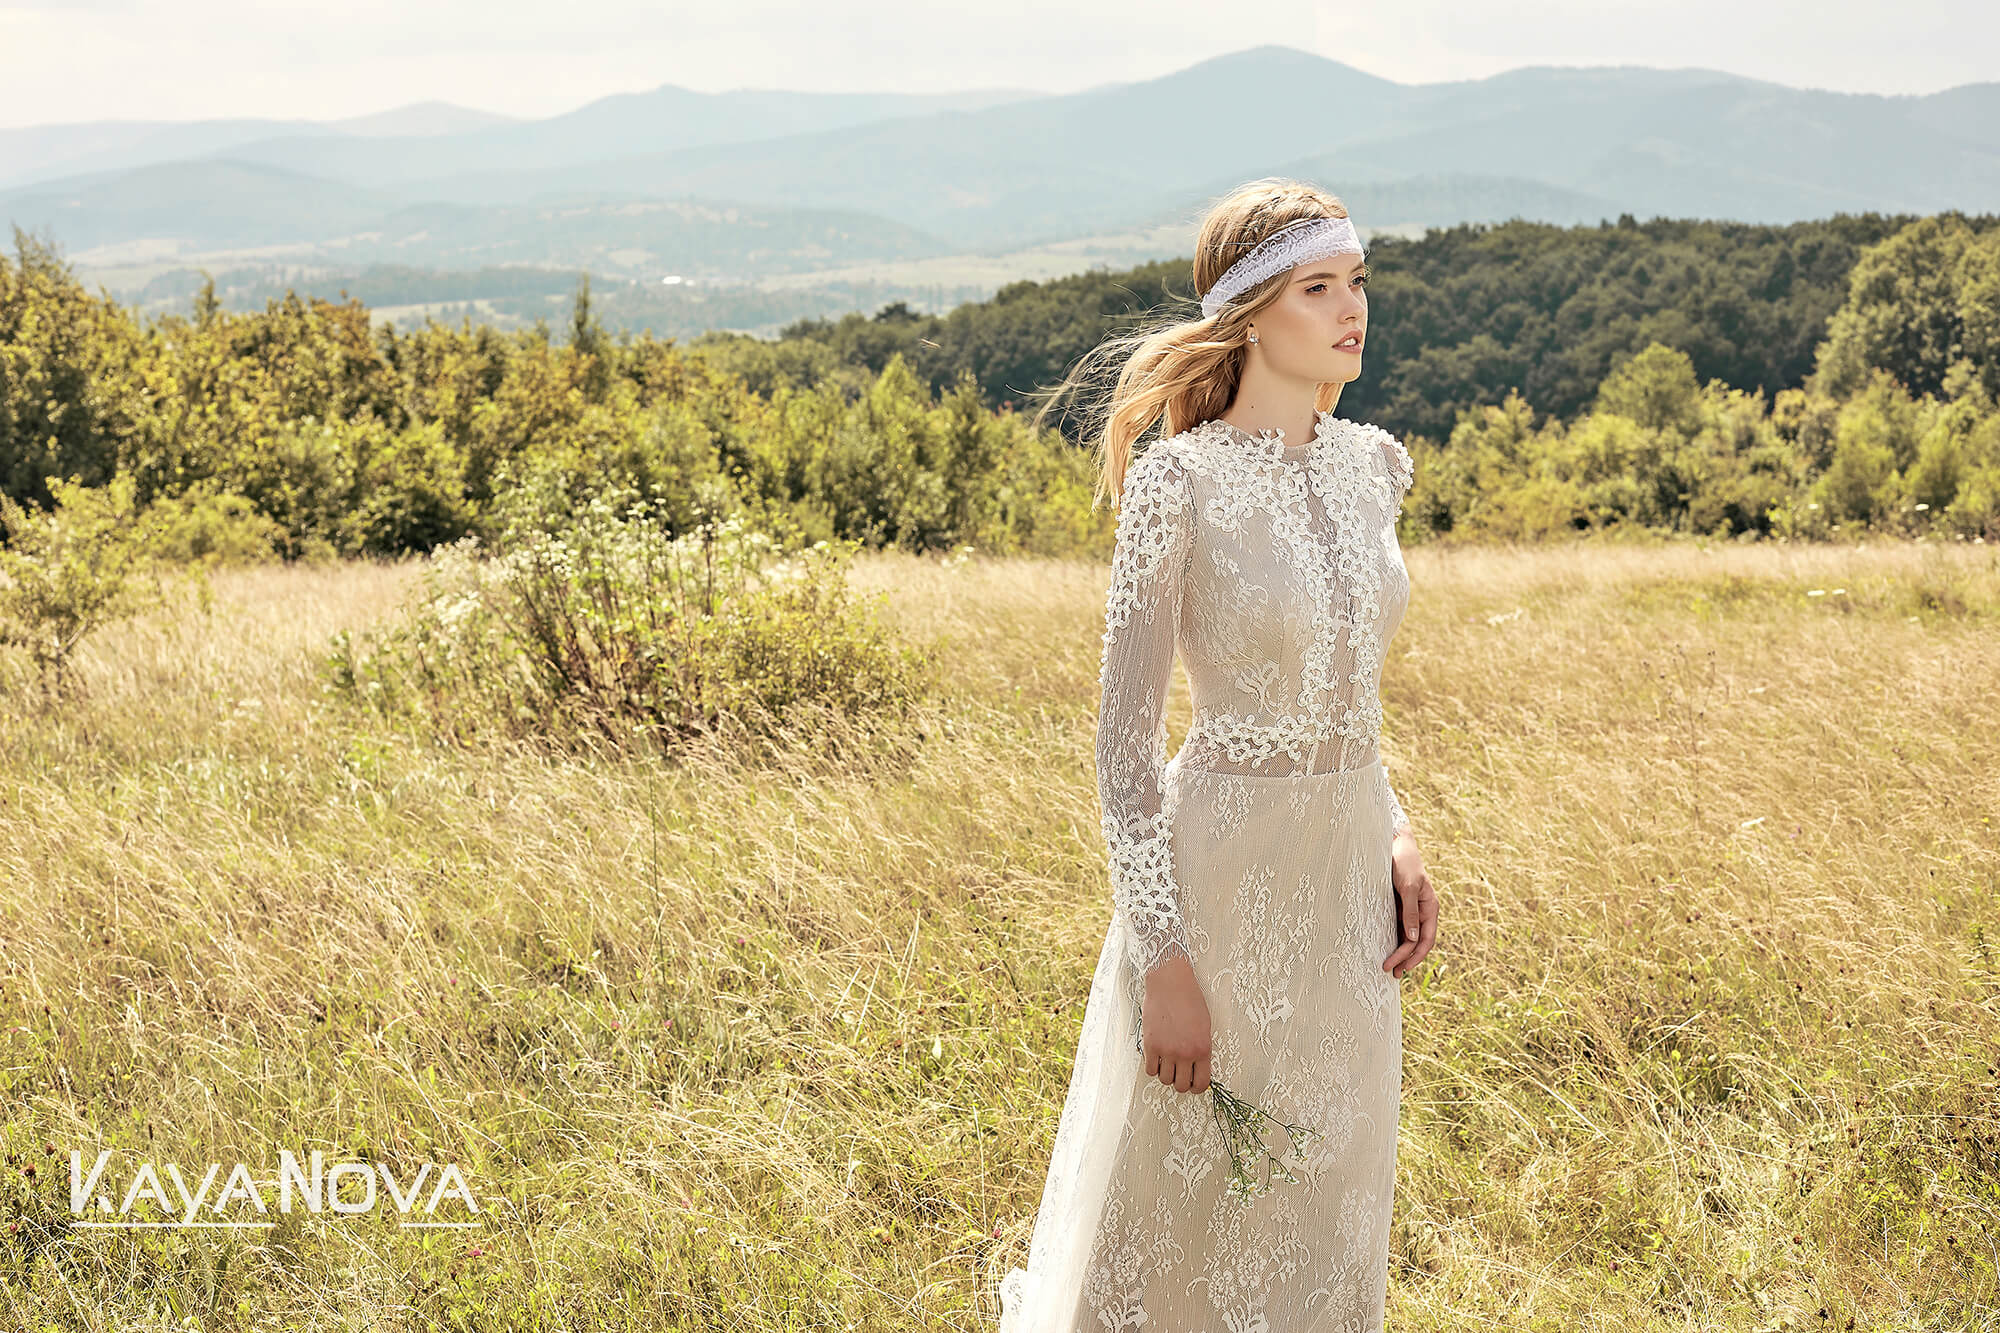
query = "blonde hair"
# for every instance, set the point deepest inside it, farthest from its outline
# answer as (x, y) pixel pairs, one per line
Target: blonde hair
(1186, 371)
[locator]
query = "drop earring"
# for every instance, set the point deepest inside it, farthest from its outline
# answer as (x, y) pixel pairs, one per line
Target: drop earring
(1253, 335)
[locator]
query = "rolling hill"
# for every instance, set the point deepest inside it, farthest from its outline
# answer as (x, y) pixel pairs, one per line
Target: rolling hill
(749, 186)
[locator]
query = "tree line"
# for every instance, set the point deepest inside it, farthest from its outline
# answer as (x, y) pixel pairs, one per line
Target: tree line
(1689, 376)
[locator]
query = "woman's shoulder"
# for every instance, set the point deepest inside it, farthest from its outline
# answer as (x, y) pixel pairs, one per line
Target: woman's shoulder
(1401, 469)
(1200, 450)
(1156, 481)
(1170, 462)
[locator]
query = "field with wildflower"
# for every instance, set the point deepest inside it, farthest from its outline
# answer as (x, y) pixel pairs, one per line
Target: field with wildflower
(1708, 1040)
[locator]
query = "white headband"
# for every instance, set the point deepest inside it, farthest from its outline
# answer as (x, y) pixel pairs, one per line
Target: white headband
(1284, 249)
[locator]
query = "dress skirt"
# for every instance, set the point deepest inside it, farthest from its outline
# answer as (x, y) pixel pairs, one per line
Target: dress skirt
(1290, 913)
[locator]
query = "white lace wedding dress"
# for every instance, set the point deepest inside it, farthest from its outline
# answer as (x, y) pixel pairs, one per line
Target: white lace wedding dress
(1260, 851)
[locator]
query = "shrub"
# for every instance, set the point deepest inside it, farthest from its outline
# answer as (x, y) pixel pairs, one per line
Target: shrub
(610, 629)
(409, 494)
(71, 569)
(204, 526)
(301, 475)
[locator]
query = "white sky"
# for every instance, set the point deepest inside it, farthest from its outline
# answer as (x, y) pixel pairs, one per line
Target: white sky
(82, 60)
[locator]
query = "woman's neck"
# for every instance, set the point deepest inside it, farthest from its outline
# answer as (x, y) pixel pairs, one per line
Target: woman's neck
(1267, 413)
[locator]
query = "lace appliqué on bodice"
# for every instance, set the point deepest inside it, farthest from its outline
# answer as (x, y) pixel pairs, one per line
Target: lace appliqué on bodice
(1274, 571)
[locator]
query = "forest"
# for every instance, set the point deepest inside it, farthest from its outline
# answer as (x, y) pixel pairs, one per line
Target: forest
(1674, 377)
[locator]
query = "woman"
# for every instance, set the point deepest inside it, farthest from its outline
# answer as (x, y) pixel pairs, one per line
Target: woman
(1268, 889)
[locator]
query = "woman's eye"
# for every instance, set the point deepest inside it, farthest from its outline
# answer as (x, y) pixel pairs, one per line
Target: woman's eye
(1361, 280)
(1316, 287)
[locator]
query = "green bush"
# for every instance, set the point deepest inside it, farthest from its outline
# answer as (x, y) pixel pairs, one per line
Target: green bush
(71, 569)
(203, 526)
(301, 475)
(409, 494)
(609, 629)
(666, 455)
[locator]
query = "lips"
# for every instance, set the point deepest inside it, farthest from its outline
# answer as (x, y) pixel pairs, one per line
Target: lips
(1352, 343)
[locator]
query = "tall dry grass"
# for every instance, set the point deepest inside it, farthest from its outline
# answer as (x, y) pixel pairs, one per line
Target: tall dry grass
(1708, 1041)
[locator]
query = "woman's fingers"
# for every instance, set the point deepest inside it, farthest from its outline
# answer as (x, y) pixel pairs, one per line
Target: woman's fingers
(1189, 1075)
(1428, 934)
(1405, 943)
(1419, 929)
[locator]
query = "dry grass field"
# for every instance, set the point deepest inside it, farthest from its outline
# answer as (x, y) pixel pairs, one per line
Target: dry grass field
(1709, 1039)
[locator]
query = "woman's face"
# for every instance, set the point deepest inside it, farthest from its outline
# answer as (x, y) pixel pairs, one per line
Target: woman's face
(1315, 329)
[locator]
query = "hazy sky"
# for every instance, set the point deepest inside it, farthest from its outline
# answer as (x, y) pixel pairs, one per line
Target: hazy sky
(81, 60)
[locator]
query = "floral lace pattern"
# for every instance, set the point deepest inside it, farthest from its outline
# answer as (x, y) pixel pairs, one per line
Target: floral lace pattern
(1283, 625)
(1261, 853)
(1288, 936)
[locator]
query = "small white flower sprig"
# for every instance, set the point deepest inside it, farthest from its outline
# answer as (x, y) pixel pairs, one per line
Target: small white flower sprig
(1243, 1124)
(1251, 1165)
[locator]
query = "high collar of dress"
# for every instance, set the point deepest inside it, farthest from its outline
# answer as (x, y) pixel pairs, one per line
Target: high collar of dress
(1269, 445)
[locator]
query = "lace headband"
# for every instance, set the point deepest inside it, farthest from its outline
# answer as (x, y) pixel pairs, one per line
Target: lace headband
(1286, 248)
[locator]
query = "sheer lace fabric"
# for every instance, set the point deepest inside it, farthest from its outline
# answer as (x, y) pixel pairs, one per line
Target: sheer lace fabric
(1281, 611)
(1259, 851)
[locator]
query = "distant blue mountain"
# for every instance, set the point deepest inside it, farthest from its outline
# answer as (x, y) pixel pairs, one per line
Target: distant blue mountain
(761, 183)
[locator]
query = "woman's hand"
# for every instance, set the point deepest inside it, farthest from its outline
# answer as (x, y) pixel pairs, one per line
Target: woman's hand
(1417, 906)
(1174, 1026)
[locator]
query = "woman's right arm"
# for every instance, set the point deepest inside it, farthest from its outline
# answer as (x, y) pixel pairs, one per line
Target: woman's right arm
(1156, 523)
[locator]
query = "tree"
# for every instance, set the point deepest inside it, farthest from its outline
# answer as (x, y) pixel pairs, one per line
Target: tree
(1655, 388)
(67, 571)
(1918, 303)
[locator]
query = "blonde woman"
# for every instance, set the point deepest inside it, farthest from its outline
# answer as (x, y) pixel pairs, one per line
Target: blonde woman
(1267, 887)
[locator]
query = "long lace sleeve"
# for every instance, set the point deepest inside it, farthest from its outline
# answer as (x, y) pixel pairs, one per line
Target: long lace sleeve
(1141, 620)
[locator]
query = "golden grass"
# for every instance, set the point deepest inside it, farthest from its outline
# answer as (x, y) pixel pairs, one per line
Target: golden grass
(1708, 1040)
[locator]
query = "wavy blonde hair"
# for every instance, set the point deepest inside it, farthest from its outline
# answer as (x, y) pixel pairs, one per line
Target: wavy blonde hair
(1186, 371)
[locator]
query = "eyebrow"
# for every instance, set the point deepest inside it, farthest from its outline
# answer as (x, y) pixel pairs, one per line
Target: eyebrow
(1329, 273)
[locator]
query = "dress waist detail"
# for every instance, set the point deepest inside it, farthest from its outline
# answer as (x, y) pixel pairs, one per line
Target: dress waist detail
(1278, 746)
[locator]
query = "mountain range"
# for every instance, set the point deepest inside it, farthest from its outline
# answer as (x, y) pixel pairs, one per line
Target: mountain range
(750, 186)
